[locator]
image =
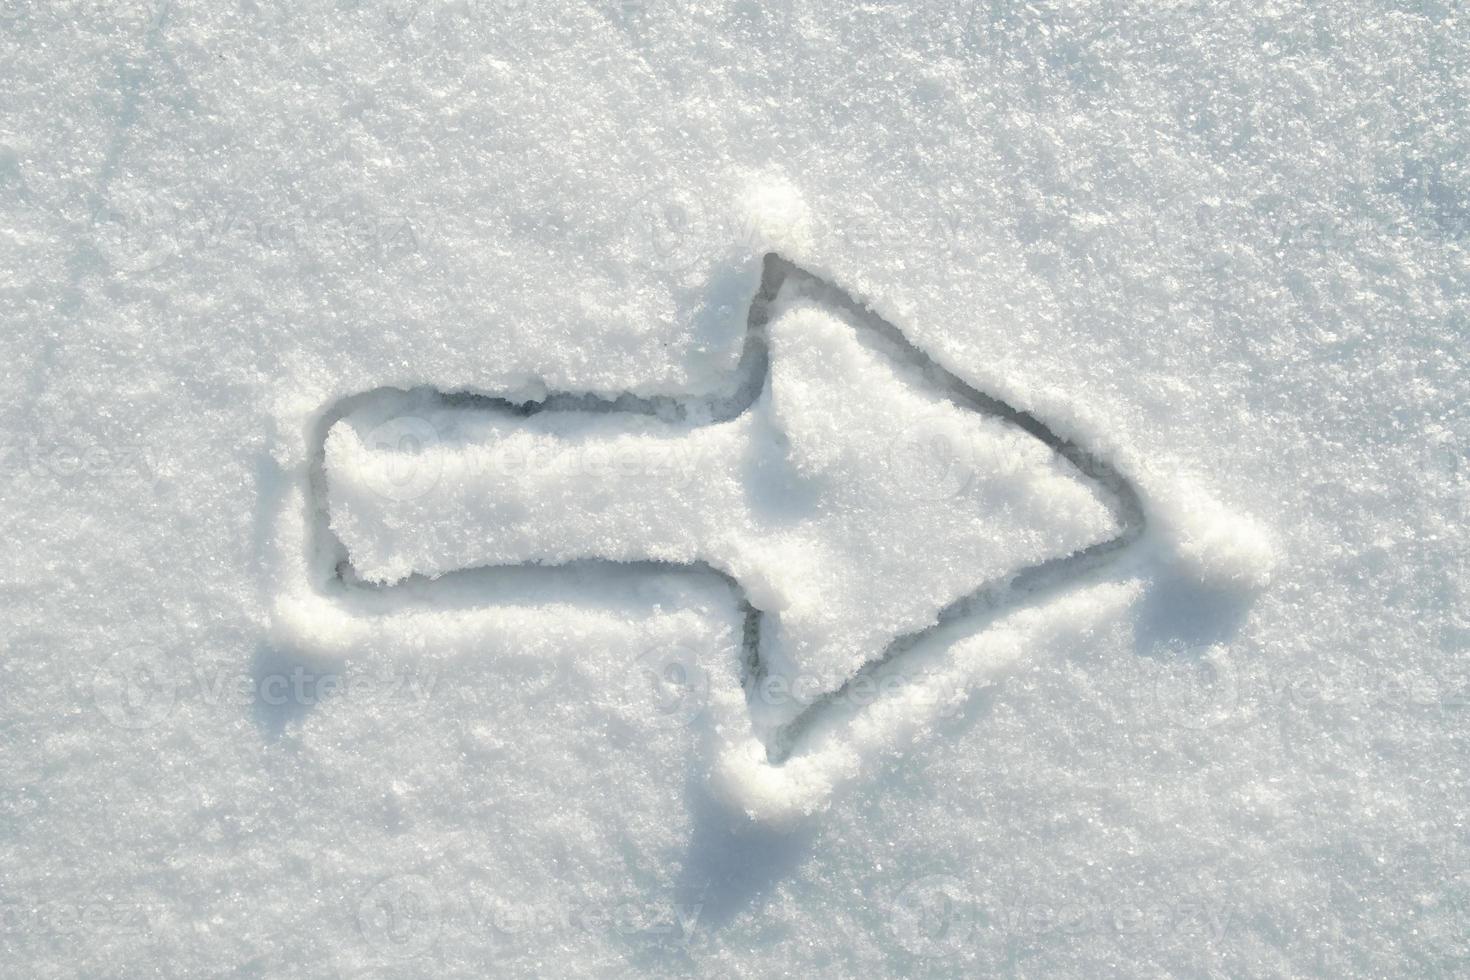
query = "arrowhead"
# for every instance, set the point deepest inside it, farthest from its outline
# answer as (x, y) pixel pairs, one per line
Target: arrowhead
(856, 493)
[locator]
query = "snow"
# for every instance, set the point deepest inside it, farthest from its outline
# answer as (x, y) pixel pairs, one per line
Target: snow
(1220, 248)
(848, 505)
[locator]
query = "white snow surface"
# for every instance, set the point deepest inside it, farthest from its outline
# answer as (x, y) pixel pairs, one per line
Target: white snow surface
(1222, 246)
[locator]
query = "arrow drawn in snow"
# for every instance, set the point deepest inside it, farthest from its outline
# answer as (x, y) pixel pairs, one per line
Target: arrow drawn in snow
(781, 735)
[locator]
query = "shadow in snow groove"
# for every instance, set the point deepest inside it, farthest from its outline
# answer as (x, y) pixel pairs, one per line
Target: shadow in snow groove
(993, 598)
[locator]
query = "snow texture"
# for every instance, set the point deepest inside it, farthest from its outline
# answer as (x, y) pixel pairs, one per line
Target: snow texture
(1220, 247)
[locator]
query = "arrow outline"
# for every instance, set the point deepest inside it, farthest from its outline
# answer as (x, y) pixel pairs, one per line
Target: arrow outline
(1003, 593)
